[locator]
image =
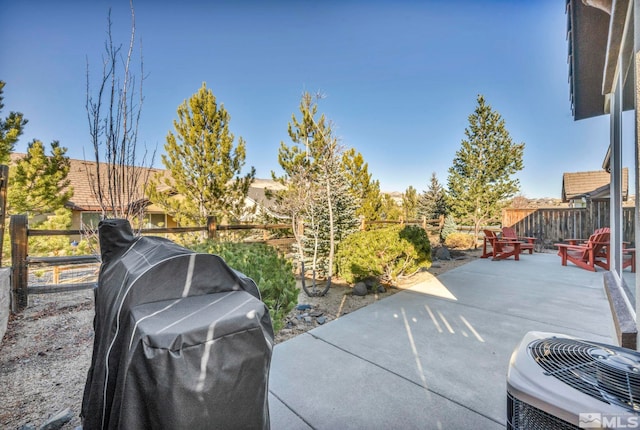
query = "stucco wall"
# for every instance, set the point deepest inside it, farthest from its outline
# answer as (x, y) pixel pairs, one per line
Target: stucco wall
(5, 299)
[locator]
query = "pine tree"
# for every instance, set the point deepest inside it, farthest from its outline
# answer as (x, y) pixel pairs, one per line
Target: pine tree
(53, 245)
(371, 205)
(10, 130)
(38, 183)
(480, 181)
(390, 210)
(449, 227)
(302, 190)
(365, 191)
(410, 203)
(345, 220)
(310, 167)
(205, 165)
(432, 203)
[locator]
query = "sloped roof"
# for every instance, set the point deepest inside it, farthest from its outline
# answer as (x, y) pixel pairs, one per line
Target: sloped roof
(593, 184)
(82, 174)
(257, 192)
(83, 199)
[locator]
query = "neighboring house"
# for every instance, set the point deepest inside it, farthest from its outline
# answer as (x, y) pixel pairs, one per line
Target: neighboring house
(257, 198)
(86, 211)
(580, 187)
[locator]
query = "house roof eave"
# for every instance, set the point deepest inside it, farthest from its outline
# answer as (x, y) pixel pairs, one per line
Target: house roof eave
(587, 35)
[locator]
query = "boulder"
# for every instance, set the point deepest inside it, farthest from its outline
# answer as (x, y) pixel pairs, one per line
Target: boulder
(442, 253)
(58, 420)
(371, 283)
(360, 289)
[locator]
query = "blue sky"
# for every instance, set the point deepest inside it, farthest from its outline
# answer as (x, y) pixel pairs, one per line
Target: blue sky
(400, 77)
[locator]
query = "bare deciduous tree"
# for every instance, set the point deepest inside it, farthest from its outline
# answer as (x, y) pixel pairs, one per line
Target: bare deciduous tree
(118, 180)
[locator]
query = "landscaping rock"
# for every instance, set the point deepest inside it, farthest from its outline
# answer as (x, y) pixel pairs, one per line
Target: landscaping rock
(443, 253)
(58, 420)
(371, 283)
(360, 289)
(321, 320)
(381, 289)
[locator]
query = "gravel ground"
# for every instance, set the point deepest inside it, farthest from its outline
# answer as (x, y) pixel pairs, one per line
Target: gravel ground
(44, 358)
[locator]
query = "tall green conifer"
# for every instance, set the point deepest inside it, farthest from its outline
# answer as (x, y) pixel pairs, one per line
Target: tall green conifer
(205, 165)
(362, 187)
(38, 183)
(432, 203)
(481, 179)
(10, 130)
(410, 203)
(324, 205)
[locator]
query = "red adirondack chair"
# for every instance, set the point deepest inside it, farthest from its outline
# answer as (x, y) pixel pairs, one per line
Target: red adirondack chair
(528, 243)
(587, 255)
(501, 248)
(491, 239)
(574, 250)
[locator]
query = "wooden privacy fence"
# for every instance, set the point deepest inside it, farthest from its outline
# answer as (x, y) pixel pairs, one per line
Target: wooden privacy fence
(551, 225)
(22, 284)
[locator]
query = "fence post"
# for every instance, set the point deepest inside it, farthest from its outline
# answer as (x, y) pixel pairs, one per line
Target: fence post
(212, 227)
(590, 222)
(4, 180)
(19, 271)
(363, 223)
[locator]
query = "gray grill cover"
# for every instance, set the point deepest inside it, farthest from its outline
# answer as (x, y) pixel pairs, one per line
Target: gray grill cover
(181, 339)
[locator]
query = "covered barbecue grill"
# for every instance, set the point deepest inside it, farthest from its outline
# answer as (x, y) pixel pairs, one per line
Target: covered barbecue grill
(181, 339)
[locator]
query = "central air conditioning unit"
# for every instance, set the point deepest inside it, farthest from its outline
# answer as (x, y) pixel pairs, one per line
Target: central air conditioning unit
(559, 382)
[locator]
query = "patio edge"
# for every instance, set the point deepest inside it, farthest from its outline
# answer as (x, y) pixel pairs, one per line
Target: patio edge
(623, 319)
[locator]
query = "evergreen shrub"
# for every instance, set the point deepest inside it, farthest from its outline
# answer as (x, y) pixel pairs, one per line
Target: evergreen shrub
(385, 253)
(449, 226)
(272, 273)
(459, 241)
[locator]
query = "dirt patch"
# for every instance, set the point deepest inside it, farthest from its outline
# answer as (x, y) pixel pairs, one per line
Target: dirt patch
(46, 351)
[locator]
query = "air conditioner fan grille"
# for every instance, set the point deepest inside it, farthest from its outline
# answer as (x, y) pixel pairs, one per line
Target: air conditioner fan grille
(608, 373)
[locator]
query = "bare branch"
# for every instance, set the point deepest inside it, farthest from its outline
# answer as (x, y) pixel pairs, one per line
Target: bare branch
(119, 178)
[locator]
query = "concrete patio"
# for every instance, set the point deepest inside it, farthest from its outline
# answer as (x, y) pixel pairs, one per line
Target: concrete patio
(434, 356)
